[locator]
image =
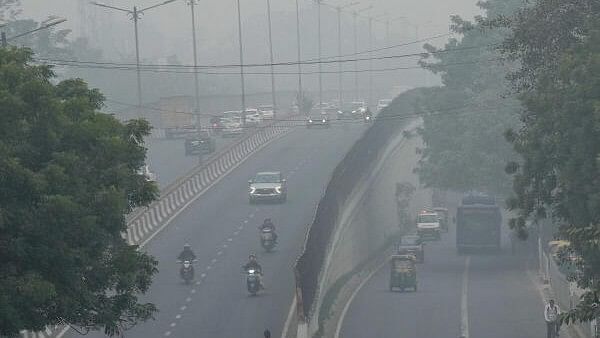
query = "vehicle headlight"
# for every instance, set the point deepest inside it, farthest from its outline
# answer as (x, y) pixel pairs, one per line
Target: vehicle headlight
(309, 120)
(278, 190)
(324, 120)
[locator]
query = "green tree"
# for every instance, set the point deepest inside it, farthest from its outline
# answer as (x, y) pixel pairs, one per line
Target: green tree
(557, 44)
(68, 175)
(464, 143)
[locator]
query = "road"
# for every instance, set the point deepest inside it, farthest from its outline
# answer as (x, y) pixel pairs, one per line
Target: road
(221, 227)
(500, 296)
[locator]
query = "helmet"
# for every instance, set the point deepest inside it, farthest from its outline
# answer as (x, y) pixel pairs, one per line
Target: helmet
(187, 246)
(252, 256)
(267, 220)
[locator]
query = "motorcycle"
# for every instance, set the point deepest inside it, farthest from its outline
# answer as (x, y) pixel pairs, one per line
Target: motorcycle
(368, 118)
(253, 281)
(267, 239)
(186, 272)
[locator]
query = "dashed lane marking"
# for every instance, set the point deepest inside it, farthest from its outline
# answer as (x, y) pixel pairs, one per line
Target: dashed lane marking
(178, 316)
(183, 308)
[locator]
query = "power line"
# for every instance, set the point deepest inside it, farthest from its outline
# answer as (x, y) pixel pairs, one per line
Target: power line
(291, 63)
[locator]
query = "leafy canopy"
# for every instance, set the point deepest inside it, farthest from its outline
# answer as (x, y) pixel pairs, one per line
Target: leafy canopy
(68, 175)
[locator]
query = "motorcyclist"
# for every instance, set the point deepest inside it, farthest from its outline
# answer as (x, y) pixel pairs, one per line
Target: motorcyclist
(253, 265)
(187, 254)
(268, 224)
(551, 313)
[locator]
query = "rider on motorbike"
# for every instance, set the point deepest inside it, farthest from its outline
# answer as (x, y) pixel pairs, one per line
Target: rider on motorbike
(253, 265)
(187, 254)
(268, 224)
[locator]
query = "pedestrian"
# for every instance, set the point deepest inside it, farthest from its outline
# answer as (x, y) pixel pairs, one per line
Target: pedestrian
(267, 334)
(551, 313)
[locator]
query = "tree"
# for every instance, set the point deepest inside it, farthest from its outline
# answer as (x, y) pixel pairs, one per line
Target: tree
(464, 132)
(68, 175)
(557, 44)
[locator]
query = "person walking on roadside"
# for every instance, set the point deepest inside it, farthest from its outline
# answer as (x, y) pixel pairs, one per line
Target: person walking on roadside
(551, 313)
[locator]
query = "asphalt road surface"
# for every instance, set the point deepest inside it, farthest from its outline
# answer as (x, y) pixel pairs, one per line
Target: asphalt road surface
(499, 299)
(221, 227)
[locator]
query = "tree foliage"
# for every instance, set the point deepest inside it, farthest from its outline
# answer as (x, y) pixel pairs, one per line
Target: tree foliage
(463, 134)
(68, 175)
(557, 44)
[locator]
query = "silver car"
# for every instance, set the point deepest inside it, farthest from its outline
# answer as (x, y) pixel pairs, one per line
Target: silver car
(267, 186)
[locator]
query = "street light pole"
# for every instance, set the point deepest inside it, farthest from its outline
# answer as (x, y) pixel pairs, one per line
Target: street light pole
(355, 18)
(300, 97)
(136, 16)
(340, 82)
(271, 58)
(241, 47)
(319, 50)
(370, 99)
(192, 4)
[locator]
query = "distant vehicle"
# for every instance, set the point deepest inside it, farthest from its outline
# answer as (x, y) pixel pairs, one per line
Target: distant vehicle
(253, 117)
(267, 186)
(359, 108)
(317, 120)
(180, 132)
(200, 144)
(478, 224)
(216, 125)
(148, 175)
(428, 225)
(411, 245)
(383, 103)
(444, 217)
(232, 126)
(267, 112)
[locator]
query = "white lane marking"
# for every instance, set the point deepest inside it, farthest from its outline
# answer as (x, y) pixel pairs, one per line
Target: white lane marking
(173, 324)
(241, 227)
(183, 308)
(178, 316)
(198, 282)
(235, 233)
(245, 221)
(168, 333)
(219, 253)
(340, 323)
(62, 333)
(288, 320)
(193, 291)
(208, 267)
(251, 216)
(189, 299)
(203, 275)
(213, 261)
(225, 246)
(229, 239)
(464, 304)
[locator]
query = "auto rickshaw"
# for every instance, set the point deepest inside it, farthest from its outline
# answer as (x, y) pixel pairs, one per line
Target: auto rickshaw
(444, 221)
(403, 274)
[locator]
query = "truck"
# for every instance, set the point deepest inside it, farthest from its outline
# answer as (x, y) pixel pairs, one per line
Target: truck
(478, 224)
(176, 116)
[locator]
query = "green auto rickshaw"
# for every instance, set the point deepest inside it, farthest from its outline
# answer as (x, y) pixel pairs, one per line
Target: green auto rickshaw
(403, 273)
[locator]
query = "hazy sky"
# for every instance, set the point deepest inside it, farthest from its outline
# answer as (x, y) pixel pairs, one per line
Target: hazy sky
(168, 27)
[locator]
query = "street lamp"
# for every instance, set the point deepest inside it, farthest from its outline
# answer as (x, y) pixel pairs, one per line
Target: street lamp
(300, 97)
(339, 17)
(355, 17)
(271, 58)
(192, 4)
(371, 18)
(241, 47)
(135, 16)
(319, 52)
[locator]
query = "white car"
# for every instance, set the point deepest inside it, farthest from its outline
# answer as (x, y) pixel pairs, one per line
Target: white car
(428, 225)
(253, 117)
(267, 112)
(267, 186)
(383, 103)
(232, 126)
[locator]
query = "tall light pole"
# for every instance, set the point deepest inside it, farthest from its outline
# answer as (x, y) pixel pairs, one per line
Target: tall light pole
(319, 52)
(340, 82)
(241, 47)
(192, 4)
(371, 18)
(355, 18)
(271, 58)
(136, 16)
(300, 98)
